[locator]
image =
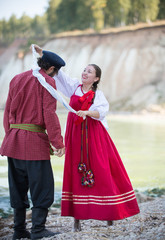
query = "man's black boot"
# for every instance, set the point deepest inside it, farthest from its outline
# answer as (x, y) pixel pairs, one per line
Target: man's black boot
(39, 231)
(19, 224)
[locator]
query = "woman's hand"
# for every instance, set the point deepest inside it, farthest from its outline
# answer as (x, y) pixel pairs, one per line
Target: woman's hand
(38, 49)
(82, 114)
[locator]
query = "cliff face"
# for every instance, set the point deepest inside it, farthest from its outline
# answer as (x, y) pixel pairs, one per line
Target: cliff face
(132, 63)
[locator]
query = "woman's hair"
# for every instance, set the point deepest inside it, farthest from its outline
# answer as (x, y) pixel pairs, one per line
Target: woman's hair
(45, 65)
(98, 74)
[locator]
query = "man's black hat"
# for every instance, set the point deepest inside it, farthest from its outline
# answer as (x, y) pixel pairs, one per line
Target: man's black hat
(53, 59)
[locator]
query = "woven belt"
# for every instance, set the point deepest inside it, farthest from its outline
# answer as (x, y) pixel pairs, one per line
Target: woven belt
(31, 128)
(28, 127)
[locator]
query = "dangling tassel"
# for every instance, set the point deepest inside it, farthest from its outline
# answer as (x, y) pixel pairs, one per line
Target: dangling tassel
(88, 176)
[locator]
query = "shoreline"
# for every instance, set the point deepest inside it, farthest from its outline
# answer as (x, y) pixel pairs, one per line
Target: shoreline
(127, 115)
(149, 224)
(144, 117)
(6, 211)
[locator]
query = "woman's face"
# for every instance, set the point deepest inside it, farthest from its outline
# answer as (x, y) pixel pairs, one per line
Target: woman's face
(89, 75)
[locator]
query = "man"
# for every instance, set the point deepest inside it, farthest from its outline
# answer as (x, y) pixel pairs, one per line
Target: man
(30, 110)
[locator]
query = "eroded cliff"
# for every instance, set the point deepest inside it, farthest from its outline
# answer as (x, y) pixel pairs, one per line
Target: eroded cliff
(132, 63)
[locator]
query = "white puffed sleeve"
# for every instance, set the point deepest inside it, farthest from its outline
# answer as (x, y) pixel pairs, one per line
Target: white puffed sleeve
(65, 84)
(102, 106)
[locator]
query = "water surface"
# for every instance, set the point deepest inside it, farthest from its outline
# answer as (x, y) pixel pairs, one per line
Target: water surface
(139, 140)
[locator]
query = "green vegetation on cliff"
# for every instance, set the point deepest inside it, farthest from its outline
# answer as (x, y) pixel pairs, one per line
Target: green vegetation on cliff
(64, 15)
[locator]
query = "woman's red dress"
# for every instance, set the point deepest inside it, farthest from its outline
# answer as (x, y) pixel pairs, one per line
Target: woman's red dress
(112, 196)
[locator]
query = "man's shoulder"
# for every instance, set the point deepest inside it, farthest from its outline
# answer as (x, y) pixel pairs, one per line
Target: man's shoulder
(22, 75)
(20, 78)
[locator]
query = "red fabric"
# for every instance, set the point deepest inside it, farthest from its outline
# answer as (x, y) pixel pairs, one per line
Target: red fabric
(112, 196)
(29, 102)
(86, 101)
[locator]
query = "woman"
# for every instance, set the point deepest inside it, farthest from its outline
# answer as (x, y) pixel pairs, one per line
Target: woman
(95, 183)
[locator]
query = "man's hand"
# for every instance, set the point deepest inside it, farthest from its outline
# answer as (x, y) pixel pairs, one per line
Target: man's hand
(38, 49)
(59, 152)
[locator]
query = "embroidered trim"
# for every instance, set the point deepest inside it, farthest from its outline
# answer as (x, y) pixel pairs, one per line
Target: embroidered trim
(104, 203)
(99, 200)
(98, 196)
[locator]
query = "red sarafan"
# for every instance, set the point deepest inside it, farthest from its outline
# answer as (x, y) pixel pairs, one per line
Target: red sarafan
(111, 196)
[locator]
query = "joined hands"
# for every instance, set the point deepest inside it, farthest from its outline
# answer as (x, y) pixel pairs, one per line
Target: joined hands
(59, 152)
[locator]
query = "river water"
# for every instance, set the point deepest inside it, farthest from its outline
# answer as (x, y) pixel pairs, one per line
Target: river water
(140, 141)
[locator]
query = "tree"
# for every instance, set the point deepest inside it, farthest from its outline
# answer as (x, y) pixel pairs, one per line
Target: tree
(97, 7)
(66, 14)
(5, 32)
(143, 11)
(52, 15)
(74, 14)
(84, 16)
(13, 25)
(24, 26)
(161, 13)
(125, 6)
(116, 12)
(39, 26)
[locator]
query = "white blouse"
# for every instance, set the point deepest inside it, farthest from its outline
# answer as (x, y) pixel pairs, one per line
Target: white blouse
(68, 86)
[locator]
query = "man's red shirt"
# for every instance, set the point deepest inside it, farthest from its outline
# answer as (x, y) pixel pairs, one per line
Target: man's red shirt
(29, 102)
